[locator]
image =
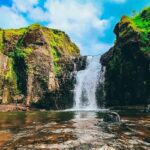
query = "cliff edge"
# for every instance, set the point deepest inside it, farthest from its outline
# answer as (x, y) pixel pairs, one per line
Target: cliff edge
(127, 78)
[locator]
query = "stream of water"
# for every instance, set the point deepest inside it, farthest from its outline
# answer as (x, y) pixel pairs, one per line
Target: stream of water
(86, 85)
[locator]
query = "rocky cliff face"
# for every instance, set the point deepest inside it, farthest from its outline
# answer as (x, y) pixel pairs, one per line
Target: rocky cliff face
(36, 63)
(127, 78)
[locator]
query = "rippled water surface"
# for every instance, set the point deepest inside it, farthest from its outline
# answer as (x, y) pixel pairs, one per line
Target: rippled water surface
(73, 130)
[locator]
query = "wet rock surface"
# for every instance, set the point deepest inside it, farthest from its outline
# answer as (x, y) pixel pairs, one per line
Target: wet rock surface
(73, 131)
(111, 117)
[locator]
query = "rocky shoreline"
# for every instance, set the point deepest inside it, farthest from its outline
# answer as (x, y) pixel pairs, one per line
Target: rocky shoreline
(21, 107)
(13, 107)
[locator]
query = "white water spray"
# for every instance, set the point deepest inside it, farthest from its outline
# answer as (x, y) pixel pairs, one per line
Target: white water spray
(86, 85)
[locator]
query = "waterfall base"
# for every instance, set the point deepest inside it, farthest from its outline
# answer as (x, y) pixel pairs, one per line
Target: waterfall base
(86, 85)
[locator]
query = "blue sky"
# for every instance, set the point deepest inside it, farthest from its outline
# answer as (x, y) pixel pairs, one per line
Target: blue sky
(89, 23)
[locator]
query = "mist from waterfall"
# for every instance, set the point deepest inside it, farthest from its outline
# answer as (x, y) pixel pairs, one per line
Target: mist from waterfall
(86, 84)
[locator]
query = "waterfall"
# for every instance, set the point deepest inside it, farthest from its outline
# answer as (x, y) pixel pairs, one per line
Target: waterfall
(86, 84)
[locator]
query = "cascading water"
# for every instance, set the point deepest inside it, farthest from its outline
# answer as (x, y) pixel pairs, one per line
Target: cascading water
(86, 85)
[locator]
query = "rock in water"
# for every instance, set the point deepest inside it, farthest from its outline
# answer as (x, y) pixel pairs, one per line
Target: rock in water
(148, 108)
(111, 117)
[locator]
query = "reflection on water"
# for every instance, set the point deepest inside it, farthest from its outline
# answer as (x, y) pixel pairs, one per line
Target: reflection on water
(84, 115)
(73, 130)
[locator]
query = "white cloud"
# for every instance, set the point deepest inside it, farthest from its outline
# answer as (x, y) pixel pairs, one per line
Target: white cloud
(11, 19)
(24, 5)
(81, 21)
(100, 48)
(94, 48)
(72, 16)
(37, 14)
(31, 8)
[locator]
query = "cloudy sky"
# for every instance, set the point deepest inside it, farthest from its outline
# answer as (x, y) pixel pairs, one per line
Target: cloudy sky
(89, 23)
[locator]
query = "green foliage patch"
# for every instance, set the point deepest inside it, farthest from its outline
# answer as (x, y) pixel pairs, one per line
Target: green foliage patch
(11, 77)
(137, 25)
(60, 44)
(23, 52)
(1, 40)
(34, 26)
(142, 21)
(9, 33)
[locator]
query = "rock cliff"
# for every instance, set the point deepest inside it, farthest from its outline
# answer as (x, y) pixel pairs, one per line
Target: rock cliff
(127, 77)
(36, 66)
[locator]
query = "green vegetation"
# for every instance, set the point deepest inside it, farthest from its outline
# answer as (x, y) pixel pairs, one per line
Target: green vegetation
(55, 54)
(130, 23)
(34, 50)
(139, 25)
(34, 26)
(23, 52)
(142, 22)
(11, 77)
(127, 63)
(59, 41)
(10, 33)
(60, 45)
(1, 40)
(56, 57)
(56, 68)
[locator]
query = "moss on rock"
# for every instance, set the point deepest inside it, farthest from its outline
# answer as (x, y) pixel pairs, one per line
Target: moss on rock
(1, 41)
(127, 63)
(35, 53)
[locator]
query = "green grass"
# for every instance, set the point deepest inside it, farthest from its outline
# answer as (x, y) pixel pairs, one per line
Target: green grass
(1, 41)
(34, 26)
(139, 24)
(60, 41)
(11, 76)
(55, 54)
(142, 20)
(56, 68)
(23, 52)
(60, 44)
(9, 33)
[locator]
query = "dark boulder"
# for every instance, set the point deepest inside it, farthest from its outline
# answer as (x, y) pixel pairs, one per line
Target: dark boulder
(111, 117)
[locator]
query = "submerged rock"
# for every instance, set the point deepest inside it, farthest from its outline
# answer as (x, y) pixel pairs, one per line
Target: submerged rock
(111, 117)
(148, 108)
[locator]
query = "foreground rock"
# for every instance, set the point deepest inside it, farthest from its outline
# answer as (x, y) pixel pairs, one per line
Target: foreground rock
(111, 117)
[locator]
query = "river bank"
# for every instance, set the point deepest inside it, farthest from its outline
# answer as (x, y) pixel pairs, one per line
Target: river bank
(13, 107)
